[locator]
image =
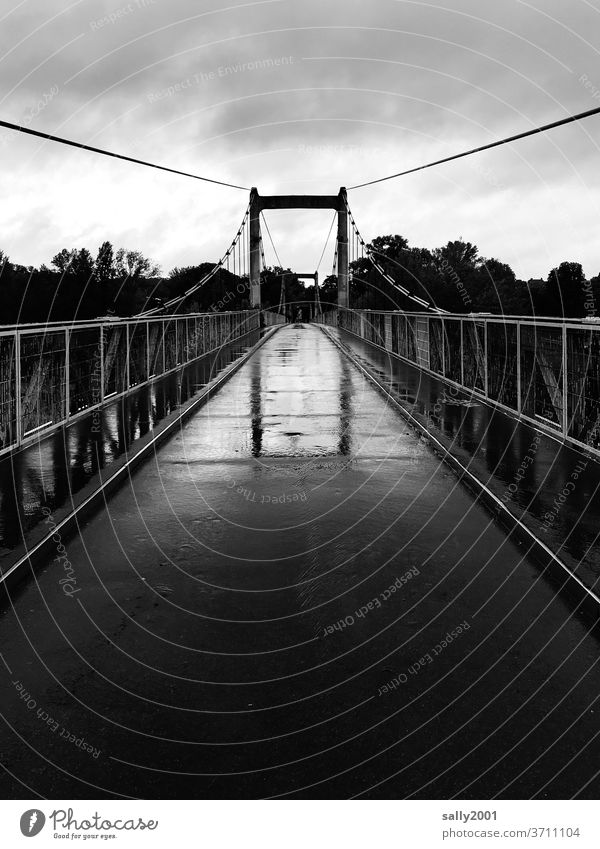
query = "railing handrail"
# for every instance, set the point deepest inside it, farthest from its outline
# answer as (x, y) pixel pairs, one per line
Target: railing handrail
(96, 322)
(585, 321)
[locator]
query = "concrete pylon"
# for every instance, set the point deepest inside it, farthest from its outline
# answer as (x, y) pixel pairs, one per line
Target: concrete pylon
(254, 249)
(336, 202)
(342, 250)
(317, 309)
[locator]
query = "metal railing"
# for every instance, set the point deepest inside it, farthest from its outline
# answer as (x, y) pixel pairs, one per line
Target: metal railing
(272, 319)
(53, 373)
(545, 370)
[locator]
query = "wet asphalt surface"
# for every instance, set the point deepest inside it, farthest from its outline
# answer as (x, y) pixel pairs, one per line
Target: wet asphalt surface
(296, 598)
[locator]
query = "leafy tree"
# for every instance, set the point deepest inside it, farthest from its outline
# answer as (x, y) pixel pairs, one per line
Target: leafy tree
(328, 291)
(368, 288)
(394, 256)
(496, 288)
(6, 290)
(104, 276)
(133, 275)
(75, 293)
(389, 250)
(565, 290)
(133, 264)
(457, 265)
(62, 260)
(420, 276)
(104, 265)
(223, 291)
(461, 256)
(82, 264)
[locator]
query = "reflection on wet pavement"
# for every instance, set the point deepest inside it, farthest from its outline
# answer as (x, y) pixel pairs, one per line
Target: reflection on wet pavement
(48, 473)
(527, 469)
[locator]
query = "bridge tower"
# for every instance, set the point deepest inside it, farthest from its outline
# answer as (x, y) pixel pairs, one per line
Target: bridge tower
(316, 308)
(337, 202)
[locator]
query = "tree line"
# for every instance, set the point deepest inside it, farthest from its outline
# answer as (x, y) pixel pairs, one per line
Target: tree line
(76, 285)
(458, 279)
(123, 282)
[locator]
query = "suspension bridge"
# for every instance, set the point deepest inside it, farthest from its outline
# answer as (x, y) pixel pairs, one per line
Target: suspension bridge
(246, 557)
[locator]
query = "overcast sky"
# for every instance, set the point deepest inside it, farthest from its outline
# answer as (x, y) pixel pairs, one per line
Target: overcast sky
(354, 90)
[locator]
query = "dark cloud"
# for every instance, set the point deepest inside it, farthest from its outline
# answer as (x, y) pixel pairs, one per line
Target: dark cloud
(301, 96)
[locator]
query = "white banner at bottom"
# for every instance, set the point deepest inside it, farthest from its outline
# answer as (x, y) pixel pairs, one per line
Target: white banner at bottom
(302, 824)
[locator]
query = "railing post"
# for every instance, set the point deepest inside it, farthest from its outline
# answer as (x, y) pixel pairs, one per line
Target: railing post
(519, 367)
(443, 347)
(485, 357)
(462, 352)
(148, 350)
(565, 412)
(67, 374)
(128, 350)
(18, 405)
(388, 331)
(101, 363)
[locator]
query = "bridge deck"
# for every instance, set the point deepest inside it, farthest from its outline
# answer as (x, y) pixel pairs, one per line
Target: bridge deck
(192, 645)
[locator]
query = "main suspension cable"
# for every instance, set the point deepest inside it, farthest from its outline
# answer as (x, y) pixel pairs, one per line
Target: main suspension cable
(222, 263)
(569, 120)
(369, 252)
(49, 137)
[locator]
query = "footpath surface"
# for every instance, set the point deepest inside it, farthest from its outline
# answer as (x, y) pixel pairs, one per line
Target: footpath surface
(295, 597)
